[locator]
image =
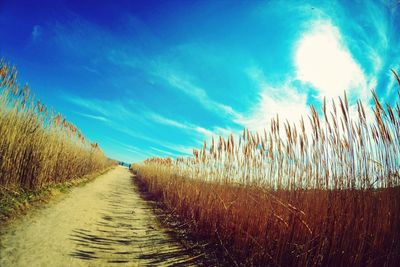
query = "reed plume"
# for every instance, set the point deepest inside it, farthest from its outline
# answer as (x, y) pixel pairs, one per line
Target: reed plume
(39, 147)
(324, 191)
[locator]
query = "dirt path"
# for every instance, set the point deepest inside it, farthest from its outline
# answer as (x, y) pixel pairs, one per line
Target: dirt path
(104, 223)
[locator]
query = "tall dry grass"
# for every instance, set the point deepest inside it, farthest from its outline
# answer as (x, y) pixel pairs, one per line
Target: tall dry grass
(37, 146)
(316, 193)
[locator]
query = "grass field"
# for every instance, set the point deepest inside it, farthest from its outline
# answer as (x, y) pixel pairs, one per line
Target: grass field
(39, 147)
(321, 192)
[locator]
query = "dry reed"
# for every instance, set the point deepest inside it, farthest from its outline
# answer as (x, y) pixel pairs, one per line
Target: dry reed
(37, 146)
(324, 192)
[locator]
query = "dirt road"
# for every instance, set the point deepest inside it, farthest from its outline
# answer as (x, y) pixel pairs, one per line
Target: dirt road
(104, 223)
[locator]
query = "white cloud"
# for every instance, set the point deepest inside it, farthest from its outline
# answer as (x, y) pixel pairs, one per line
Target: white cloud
(166, 121)
(185, 126)
(90, 116)
(323, 60)
(186, 86)
(219, 131)
(92, 105)
(203, 134)
(163, 152)
(117, 113)
(112, 110)
(120, 118)
(183, 150)
(288, 104)
(283, 100)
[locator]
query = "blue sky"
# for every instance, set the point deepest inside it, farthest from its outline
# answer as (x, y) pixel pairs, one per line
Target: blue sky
(156, 78)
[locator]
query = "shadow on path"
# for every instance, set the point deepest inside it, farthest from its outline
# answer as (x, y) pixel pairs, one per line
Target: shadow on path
(128, 232)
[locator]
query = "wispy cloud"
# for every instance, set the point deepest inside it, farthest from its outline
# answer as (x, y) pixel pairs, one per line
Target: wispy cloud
(131, 131)
(185, 85)
(94, 117)
(283, 100)
(133, 123)
(174, 123)
(164, 152)
(92, 105)
(112, 110)
(324, 63)
(181, 149)
(323, 54)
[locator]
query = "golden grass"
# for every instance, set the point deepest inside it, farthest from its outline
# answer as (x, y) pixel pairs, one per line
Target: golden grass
(316, 194)
(37, 146)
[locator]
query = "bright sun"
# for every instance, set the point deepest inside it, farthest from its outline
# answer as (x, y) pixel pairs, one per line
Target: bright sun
(322, 60)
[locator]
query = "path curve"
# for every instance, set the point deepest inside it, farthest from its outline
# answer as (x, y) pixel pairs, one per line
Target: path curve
(103, 223)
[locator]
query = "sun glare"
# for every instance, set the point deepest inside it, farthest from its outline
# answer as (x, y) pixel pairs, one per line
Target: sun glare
(324, 61)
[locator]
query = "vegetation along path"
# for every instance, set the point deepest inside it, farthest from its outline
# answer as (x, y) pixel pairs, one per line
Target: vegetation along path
(106, 222)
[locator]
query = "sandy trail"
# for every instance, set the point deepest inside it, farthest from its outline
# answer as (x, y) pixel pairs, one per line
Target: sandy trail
(104, 223)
